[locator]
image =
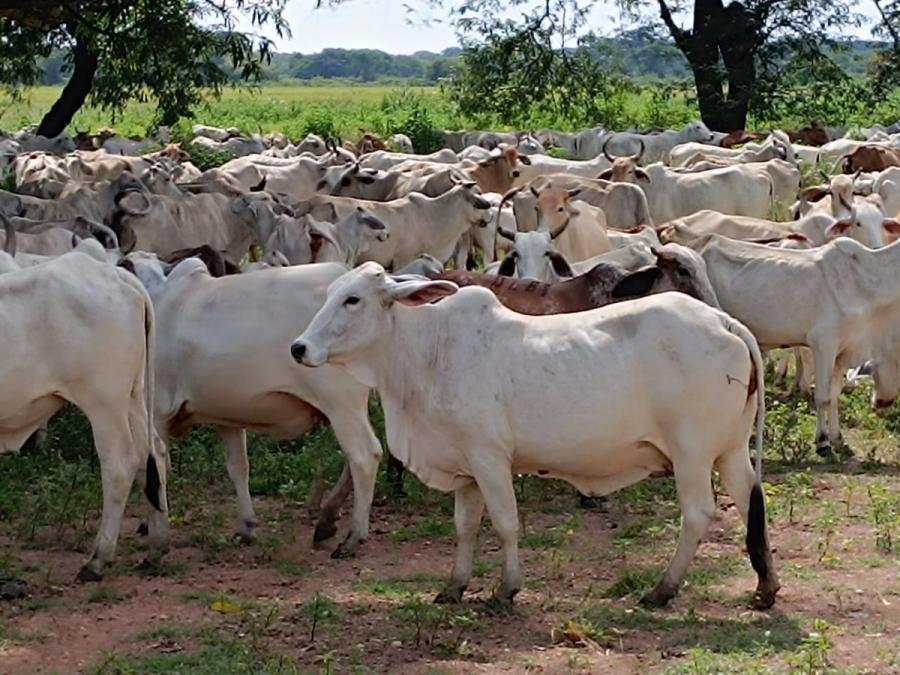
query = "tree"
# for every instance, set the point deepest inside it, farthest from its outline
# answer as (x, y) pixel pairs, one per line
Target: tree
(117, 50)
(731, 47)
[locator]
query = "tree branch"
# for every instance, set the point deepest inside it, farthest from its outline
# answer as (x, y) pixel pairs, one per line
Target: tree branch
(888, 25)
(678, 33)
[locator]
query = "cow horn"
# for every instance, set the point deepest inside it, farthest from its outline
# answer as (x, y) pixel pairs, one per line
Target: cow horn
(139, 212)
(506, 234)
(509, 195)
(259, 187)
(559, 230)
(9, 246)
(640, 153)
(605, 152)
(112, 240)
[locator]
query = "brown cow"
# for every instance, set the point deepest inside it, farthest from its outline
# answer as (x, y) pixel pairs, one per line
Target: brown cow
(677, 269)
(813, 134)
(870, 158)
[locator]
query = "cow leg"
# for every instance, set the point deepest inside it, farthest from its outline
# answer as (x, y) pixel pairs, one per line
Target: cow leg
(158, 522)
(467, 512)
(395, 471)
(235, 441)
(824, 362)
(119, 463)
(496, 487)
(737, 473)
(363, 452)
(834, 418)
(698, 506)
(328, 512)
(805, 369)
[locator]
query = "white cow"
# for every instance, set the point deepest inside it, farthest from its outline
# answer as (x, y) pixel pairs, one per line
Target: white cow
(223, 359)
(459, 430)
(80, 331)
(843, 304)
(656, 147)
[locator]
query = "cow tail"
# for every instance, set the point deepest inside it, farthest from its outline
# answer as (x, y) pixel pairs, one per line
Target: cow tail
(740, 330)
(156, 464)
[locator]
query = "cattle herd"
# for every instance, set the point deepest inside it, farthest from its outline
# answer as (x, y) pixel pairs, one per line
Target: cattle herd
(604, 319)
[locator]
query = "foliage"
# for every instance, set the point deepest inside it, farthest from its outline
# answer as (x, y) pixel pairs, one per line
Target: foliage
(121, 50)
(511, 69)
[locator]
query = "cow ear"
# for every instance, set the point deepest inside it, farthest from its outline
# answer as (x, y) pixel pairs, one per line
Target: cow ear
(636, 284)
(366, 178)
(814, 194)
(838, 229)
(507, 267)
(126, 264)
(605, 175)
(892, 225)
(642, 175)
(415, 292)
(321, 185)
(561, 265)
(525, 159)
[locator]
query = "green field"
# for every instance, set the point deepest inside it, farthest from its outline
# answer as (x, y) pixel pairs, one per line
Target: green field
(340, 110)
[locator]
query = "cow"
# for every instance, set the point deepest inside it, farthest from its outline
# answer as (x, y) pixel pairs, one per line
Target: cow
(657, 146)
(306, 240)
(624, 204)
(470, 434)
(81, 331)
(384, 160)
(384, 186)
(866, 224)
(97, 204)
(417, 224)
(238, 376)
(869, 158)
(401, 143)
(843, 305)
(161, 224)
(674, 268)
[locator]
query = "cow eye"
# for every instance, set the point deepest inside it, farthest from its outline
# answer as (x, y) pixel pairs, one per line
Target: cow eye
(352, 300)
(682, 272)
(560, 209)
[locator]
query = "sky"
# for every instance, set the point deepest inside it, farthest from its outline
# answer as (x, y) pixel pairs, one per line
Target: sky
(382, 24)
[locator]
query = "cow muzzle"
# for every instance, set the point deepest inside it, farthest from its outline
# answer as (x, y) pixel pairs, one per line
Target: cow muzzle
(305, 356)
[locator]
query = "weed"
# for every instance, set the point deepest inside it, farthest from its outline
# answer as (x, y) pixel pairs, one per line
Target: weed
(884, 514)
(432, 527)
(318, 610)
(105, 594)
(427, 619)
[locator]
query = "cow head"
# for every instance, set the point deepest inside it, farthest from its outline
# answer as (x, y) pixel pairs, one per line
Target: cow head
(866, 223)
(533, 256)
(697, 131)
(624, 169)
(554, 207)
(355, 315)
(498, 172)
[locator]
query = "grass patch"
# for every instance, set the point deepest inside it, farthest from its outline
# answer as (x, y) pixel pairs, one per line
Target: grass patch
(432, 527)
(105, 594)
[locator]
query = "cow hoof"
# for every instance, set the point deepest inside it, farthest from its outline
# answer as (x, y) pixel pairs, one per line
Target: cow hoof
(498, 606)
(823, 450)
(142, 530)
(763, 600)
(245, 538)
(342, 552)
(449, 596)
(324, 530)
(654, 599)
(13, 589)
(87, 575)
(597, 504)
(146, 566)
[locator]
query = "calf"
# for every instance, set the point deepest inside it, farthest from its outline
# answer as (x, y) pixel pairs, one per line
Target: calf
(81, 331)
(471, 434)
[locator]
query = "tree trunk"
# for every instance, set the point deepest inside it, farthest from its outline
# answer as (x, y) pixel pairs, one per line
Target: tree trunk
(73, 94)
(721, 39)
(737, 42)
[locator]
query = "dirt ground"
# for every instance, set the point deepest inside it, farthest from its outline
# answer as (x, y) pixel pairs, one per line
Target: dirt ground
(281, 606)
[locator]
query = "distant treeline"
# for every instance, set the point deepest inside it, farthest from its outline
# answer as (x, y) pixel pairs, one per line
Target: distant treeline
(637, 54)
